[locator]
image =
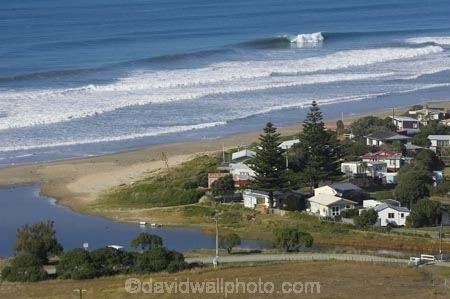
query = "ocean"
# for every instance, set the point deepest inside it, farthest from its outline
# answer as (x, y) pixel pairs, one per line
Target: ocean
(90, 77)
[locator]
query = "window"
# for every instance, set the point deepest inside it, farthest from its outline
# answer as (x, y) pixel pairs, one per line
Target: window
(402, 215)
(334, 211)
(391, 215)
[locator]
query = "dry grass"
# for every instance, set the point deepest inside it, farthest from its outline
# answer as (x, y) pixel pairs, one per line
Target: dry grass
(337, 280)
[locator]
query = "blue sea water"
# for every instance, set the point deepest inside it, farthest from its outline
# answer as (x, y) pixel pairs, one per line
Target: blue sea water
(90, 77)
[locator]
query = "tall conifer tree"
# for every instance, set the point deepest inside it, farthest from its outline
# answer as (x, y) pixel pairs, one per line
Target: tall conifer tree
(269, 163)
(319, 160)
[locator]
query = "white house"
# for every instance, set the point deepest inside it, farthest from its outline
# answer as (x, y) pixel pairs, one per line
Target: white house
(288, 144)
(371, 203)
(242, 170)
(389, 177)
(391, 214)
(406, 124)
(439, 141)
(326, 205)
(352, 168)
(242, 156)
(427, 114)
(252, 198)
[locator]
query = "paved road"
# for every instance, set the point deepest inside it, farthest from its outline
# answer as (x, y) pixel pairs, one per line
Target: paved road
(295, 257)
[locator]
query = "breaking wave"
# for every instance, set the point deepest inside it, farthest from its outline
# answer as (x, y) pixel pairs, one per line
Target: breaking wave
(437, 40)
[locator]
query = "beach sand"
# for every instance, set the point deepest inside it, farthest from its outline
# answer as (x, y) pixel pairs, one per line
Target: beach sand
(78, 182)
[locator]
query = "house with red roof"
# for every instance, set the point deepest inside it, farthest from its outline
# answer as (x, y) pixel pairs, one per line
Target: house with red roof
(393, 159)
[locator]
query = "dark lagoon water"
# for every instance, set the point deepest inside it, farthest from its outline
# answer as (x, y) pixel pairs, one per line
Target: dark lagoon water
(90, 77)
(21, 205)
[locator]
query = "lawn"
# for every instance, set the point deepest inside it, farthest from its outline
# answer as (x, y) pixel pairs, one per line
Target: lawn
(337, 280)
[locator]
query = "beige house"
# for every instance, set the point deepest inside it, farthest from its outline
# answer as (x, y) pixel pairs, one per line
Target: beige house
(326, 205)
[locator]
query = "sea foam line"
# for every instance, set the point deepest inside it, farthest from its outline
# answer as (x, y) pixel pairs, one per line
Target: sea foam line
(31, 108)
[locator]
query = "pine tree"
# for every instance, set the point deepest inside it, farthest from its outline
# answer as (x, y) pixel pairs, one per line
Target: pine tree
(269, 163)
(319, 160)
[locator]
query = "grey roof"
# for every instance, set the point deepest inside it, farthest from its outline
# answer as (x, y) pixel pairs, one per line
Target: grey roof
(439, 137)
(387, 135)
(384, 205)
(410, 146)
(403, 118)
(342, 187)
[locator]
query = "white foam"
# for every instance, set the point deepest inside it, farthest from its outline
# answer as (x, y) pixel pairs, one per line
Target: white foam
(439, 40)
(40, 107)
(309, 39)
(147, 133)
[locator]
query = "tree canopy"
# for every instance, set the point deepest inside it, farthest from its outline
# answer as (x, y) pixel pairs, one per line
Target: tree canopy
(369, 124)
(424, 213)
(290, 239)
(429, 160)
(24, 267)
(367, 218)
(319, 160)
(223, 187)
(146, 241)
(38, 239)
(229, 241)
(269, 162)
(413, 183)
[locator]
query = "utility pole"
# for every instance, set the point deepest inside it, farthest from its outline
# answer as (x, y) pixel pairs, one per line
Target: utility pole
(80, 291)
(216, 258)
(440, 243)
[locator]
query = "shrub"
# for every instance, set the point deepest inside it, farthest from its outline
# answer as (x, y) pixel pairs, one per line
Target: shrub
(350, 213)
(153, 260)
(229, 241)
(367, 218)
(424, 213)
(24, 268)
(290, 239)
(76, 264)
(109, 261)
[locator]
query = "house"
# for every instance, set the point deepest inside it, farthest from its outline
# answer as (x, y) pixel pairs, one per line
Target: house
(371, 169)
(242, 169)
(326, 205)
(412, 150)
(427, 114)
(288, 144)
(394, 160)
(352, 168)
(385, 137)
(371, 203)
(375, 169)
(212, 177)
(406, 124)
(242, 156)
(439, 141)
(291, 200)
(388, 178)
(345, 190)
(391, 215)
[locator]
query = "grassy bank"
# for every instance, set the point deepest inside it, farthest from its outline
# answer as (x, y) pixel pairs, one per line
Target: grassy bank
(337, 280)
(180, 185)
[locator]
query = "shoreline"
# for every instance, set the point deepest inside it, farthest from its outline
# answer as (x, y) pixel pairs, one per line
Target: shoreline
(75, 183)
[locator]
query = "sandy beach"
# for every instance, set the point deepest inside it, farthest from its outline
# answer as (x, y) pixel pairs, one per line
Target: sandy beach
(75, 183)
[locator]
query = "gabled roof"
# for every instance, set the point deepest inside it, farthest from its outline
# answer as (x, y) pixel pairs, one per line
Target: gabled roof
(327, 199)
(439, 137)
(243, 154)
(289, 143)
(343, 187)
(403, 118)
(384, 206)
(387, 135)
